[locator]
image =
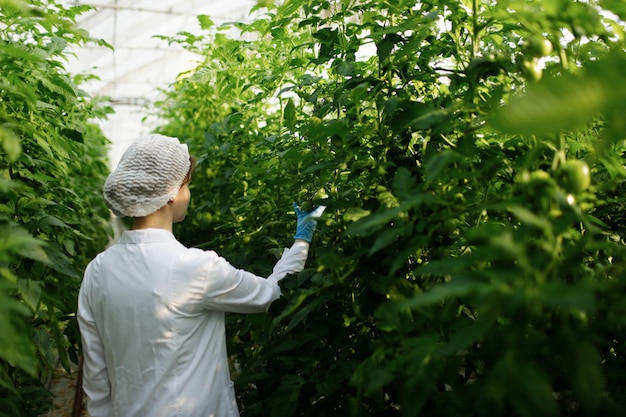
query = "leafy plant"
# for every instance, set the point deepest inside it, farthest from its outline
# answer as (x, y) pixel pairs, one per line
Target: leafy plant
(459, 268)
(52, 165)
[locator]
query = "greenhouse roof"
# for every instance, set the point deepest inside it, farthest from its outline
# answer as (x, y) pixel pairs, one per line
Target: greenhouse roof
(140, 63)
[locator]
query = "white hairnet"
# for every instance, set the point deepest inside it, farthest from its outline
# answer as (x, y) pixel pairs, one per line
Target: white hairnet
(149, 174)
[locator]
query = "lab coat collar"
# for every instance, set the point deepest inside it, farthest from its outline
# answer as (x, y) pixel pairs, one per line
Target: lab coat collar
(146, 236)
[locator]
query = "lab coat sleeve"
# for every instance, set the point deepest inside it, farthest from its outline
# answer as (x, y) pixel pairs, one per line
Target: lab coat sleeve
(236, 290)
(95, 376)
(292, 261)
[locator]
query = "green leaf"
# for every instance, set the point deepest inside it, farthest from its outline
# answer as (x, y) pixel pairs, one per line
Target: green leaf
(289, 115)
(56, 45)
(57, 336)
(18, 241)
(353, 214)
(529, 389)
(414, 393)
(561, 296)
(328, 38)
(10, 144)
(528, 217)
(587, 375)
(405, 114)
(60, 85)
(404, 183)
(385, 46)
(468, 334)
(564, 102)
(293, 306)
(61, 262)
(616, 6)
(18, 51)
(287, 395)
(43, 143)
(302, 312)
(47, 220)
(16, 346)
(30, 291)
(42, 105)
(373, 223)
(387, 237)
(205, 22)
(459, 286)
(437, 164)
(263, 4)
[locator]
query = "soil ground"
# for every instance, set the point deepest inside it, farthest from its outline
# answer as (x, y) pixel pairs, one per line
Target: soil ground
(63, 387)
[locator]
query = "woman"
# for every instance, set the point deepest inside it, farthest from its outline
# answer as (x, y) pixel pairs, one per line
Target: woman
(151, 311)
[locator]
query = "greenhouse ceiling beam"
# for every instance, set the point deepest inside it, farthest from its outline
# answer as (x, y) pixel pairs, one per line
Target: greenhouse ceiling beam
(169, 11)
(129, 101)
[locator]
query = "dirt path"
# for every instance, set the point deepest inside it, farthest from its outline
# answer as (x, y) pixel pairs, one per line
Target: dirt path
(63, 387)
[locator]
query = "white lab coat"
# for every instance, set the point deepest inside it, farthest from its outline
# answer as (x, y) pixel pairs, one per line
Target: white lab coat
(151, 316)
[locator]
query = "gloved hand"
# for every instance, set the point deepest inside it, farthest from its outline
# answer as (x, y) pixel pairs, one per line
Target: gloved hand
(306, 222)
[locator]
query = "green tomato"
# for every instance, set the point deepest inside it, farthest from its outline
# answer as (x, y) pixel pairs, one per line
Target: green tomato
(450, 228)
(575, 176)
(539, 177)
(320, 195)
(537, 46)
(546, 47)
(531, 70)
(306, 206)
(303, 195)
(538, 183)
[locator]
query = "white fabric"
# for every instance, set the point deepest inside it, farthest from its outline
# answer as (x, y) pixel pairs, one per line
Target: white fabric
(149, 174)
(151, 315)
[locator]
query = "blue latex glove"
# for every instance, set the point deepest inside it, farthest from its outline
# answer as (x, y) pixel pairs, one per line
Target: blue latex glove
(306, 222)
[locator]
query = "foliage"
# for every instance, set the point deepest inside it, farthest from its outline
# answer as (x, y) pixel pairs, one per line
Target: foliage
(462, 267)
(52, 165)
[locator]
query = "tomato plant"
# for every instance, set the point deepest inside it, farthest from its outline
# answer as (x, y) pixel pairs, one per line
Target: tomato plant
(52, 218)
(452, 274)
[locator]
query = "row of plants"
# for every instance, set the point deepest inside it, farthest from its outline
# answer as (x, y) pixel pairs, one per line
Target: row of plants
(470, 155)
(52, 218)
